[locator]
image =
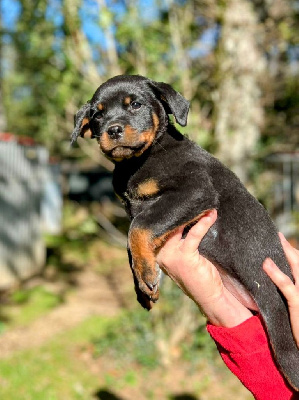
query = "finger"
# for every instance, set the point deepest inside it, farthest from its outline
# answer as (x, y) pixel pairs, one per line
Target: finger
(292, 256)
(287, 244)
(170, 245)
(198, 231)
(174, 239)
(282, 281)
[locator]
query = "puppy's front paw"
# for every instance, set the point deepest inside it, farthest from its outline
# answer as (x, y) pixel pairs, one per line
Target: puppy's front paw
(147, 280)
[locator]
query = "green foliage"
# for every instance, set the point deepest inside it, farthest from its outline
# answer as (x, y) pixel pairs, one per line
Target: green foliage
(52, 66)
(178, 323)
(2, 327)
(71, 249)
(36, 296)
(199, 346)
(26, 305)
(129, 339)
(42, 79)
(146, 338)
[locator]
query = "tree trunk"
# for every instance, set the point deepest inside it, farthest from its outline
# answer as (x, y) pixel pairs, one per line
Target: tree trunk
(76, 44)
(239, 111)
(2, 114)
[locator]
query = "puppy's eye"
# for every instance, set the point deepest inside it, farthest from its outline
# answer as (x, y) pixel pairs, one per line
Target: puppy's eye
(135, 105)
(98, 115)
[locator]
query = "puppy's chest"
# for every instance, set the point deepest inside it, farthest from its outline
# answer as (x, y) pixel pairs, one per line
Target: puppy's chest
(138, 193)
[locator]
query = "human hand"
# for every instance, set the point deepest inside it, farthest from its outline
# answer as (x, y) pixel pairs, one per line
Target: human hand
(199, 278)
(289, 289)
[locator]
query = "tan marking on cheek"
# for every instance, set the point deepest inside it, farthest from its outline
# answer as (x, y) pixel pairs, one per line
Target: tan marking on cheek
(127, 101)
(149, 135)
(147, 188)
(105, 141)
(156, 121)
(130, 134)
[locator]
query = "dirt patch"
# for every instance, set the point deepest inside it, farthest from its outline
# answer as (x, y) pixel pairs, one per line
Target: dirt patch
(176, 381)
(94, 294)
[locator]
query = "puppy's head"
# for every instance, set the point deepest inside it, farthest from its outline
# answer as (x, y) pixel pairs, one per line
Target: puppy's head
(127, 113)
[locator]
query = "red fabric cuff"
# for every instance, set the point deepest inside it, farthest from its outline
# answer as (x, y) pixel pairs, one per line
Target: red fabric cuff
(239, 339)
(246, 352)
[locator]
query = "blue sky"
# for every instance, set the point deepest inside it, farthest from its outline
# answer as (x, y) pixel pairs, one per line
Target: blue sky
(9, 11)
(89, 15)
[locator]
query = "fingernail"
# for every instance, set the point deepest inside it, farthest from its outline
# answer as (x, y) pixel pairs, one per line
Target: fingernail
(210, 213)
(268, 263)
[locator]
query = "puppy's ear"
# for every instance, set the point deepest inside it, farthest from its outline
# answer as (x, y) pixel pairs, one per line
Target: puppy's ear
(81, 122)
(174, 102)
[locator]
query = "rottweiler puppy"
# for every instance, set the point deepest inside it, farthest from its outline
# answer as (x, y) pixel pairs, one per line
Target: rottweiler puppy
(166, 181)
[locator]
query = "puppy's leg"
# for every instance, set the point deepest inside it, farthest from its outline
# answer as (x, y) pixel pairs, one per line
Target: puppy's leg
(143, 245)
(142, 249)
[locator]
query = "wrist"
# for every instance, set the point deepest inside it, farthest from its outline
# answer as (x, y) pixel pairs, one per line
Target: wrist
(226, 311)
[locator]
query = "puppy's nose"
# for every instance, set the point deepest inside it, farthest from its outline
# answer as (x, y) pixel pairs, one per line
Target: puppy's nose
(115, 131)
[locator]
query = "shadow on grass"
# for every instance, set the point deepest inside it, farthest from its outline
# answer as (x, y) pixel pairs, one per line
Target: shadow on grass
(184, 396)
(104, 394)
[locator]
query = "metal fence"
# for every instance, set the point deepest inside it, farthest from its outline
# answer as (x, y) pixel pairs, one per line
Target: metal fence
(22, 251)
(286, 192)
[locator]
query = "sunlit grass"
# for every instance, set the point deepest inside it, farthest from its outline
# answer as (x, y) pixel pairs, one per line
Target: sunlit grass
(54, 371)
(27, 305)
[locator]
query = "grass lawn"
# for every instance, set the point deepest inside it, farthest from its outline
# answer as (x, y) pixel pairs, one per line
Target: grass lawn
(54, 371)
(65, 369)
(107, 358)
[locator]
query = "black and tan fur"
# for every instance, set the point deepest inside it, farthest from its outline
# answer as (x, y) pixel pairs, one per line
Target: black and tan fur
(166, 181)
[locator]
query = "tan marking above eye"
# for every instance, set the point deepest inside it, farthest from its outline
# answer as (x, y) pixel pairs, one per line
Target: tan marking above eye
(147, 188)
(85, 129)
(127, 100)
(100, 107)
(84, 122)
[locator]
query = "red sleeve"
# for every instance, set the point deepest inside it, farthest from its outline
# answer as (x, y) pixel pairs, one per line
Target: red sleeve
(245, 351)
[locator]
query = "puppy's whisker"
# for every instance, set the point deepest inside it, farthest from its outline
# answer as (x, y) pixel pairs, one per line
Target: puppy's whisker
(161, 146)
(156, 141)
